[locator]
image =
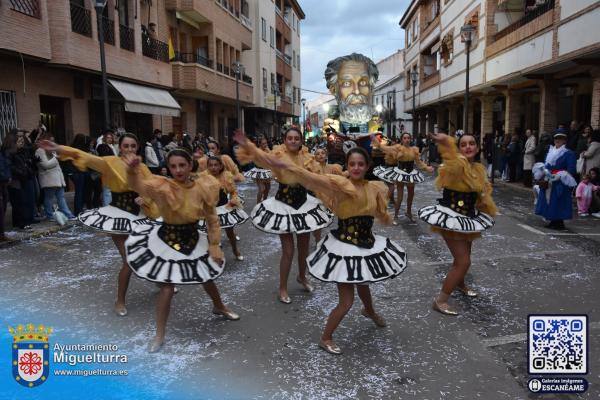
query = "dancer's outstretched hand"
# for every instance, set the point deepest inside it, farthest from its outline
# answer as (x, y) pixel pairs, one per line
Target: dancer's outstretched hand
(216, 254)
(240, 137)
(439, 137)
(57, 148)
(131, 160)
(48, 145)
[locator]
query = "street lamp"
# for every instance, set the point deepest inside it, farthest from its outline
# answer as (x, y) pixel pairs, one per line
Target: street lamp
(99, 6)
(414, 76)
(466, 33)
(238, 68)
(275, 94)
(303, 102)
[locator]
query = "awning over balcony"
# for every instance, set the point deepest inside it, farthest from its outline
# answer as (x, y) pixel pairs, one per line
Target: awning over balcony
(146, 100)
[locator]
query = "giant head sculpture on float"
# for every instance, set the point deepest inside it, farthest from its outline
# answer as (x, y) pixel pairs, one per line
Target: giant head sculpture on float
(351, 79)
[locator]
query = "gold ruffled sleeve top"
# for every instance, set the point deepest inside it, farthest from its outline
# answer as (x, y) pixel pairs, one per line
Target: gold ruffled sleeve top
(182, 203)
(345, 198)
(458, 174)
(113, 172)
(232, 168)
(227, 183)
(112, 169)
(250, 153)
(399, 153)
(334, 169)
(228, 163)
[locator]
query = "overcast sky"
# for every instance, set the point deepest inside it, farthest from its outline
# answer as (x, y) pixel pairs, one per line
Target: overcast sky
(333, 28)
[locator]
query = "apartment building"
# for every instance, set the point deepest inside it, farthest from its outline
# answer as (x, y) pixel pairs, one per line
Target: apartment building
(318, 109)
(388, 95)
(169, 64)
(533, 64)
(209, 36)
(50, 66)
(274, 61)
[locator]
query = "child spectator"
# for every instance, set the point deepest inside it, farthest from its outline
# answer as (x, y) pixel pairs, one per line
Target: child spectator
(584, 193)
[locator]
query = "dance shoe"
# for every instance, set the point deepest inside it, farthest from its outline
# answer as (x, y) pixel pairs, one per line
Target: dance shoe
(120, 310)
(467, 291)
(410, 217)
(306, 285)
(155, 345)
(284, 299)
(228, 314)
(444, 308)
(395, 221)
(239, 257)
(378, 319)
(330, 347)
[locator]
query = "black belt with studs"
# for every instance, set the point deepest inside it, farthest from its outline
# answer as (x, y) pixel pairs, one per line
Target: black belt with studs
(356, 230)
(180, 237)
(125, 201)
(461, 202)
(292, 195)
(406, 166)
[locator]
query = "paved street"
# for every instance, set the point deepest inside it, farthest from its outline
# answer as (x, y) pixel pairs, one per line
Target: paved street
(68, 281)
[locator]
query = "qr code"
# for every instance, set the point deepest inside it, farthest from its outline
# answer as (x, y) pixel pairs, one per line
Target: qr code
(557, 344)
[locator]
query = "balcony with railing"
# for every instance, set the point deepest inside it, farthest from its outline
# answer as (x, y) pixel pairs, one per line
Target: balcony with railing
(193, 58)
(154, 48)
(27, 7)
(126, 38)
(512, 30)
(429, 80)
(283, 64)
(81, 20)
(246, 21)
(530, 14)
(108, 27)
(192, 76)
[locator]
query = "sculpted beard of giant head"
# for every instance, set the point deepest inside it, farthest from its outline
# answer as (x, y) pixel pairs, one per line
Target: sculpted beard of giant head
(350, 79)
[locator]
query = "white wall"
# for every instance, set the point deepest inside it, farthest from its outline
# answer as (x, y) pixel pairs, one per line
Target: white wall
(570, 7)
(529, 53)
(296, 71)
(262, 55)
(580, 32)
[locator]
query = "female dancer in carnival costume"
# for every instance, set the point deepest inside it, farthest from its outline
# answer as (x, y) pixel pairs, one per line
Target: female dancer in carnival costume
(349, 255)
(261, 176)
(229, 208)
(123, 214)
(214, 149)
(404, 156)
(325, 168)
(292, 210)
(466, 209)
(175, 251)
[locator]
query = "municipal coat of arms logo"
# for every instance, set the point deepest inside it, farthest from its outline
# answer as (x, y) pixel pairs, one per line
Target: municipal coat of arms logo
(30, 354)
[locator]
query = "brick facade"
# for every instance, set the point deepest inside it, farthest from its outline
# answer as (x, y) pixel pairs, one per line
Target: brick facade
(548, 105)
(56, 60)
